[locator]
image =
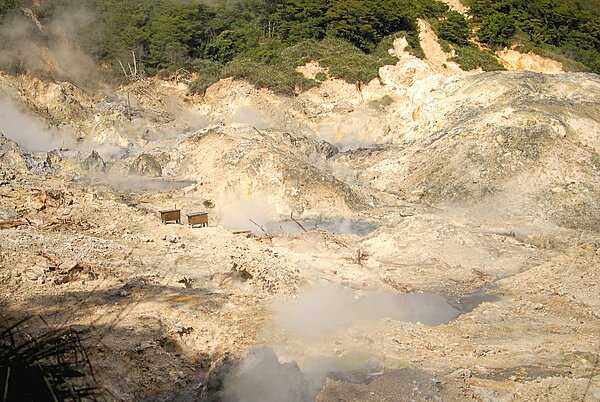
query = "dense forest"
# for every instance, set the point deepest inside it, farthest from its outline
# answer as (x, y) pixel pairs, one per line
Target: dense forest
(567, 28)
(264, 40)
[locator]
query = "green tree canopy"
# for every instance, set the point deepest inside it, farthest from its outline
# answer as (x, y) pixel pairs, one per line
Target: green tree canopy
(7, 5)
(454, 28)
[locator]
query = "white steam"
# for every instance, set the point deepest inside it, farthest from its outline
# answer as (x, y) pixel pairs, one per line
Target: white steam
(359, 129)
(30, 132)
(340, 171)
(238, 212)
(312, 317)
(50, 49)
(324, 310)
(263, 377)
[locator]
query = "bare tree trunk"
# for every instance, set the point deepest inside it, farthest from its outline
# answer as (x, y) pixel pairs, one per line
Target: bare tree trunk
(135, 69)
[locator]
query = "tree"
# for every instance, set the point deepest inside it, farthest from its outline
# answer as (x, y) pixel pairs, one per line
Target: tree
(353, 21)
(231, 43)
(297, 20)
(454, 28)
(122, 30)
(168, 33)
(497, 30)
(7, 5)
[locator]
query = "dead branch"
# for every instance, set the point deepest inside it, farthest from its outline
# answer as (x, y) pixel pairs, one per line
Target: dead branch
(262, 229)
(135, 69)
(128, 106)
(14, 223)
(239, 232)
(122, 68)
(131, 72)
(297, 223)
(360, 257)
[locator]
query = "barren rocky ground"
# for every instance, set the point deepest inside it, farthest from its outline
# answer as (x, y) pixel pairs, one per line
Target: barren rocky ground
(435, 236)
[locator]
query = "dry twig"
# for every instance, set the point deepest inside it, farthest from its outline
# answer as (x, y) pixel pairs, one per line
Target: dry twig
(262, 229)
(297, 223)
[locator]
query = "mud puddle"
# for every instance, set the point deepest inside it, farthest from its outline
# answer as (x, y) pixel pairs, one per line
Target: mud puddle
(406, 384)
(324, 310)
(467, 303)
(341, 226)
(523, 373)
(135, 184)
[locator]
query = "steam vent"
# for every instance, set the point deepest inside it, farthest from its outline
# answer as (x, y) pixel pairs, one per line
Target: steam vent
(300, 201)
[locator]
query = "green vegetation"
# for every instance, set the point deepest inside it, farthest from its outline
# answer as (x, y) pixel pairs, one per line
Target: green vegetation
(453, 28)
(7, 5)
(559, 28)
(471, 57)
(454, 32)
(264, 41)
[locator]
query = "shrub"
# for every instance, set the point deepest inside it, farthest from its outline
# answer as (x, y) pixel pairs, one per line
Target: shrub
(209, 73)
(320, 76)
(230, 43)
(471, 57)
(279, 78)
(341, 58)
(350, 63)
(7, 5)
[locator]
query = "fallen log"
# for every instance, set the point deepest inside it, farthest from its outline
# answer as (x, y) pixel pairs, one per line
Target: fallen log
(297, 223)
(13, 223)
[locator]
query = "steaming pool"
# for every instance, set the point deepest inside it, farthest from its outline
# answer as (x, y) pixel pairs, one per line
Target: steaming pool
(329, 309)
(132, 184)
(341, 226)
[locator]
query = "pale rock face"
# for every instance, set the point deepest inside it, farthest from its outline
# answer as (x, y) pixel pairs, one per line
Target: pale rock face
(437, 58)
(311, 69)
(517, 61)
(457, 5)
(146, 165)
(11, 156)
(473, 181)
(94, 162)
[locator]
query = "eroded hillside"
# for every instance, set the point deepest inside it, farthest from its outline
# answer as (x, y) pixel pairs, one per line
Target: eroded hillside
(431, 235)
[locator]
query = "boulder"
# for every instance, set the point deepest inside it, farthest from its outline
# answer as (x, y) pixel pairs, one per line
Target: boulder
(146, 165)
(94, 162)
(11, 156)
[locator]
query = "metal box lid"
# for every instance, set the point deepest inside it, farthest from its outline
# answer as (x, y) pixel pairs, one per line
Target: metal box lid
(193, 214)
(166, 211)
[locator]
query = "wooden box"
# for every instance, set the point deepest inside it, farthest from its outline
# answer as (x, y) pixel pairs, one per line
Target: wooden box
(171, 216)
(199, 219)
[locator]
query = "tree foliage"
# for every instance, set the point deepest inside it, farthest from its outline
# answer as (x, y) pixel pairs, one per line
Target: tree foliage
(222, 35)
(568, 27)
(168, 34)
(7, 5)
(454, 28)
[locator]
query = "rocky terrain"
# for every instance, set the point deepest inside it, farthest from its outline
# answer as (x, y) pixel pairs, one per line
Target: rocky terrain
(434, 235)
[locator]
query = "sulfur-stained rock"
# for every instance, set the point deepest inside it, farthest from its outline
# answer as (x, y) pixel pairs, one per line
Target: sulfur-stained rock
(146, 165)
(11, 156)
(95, 163)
